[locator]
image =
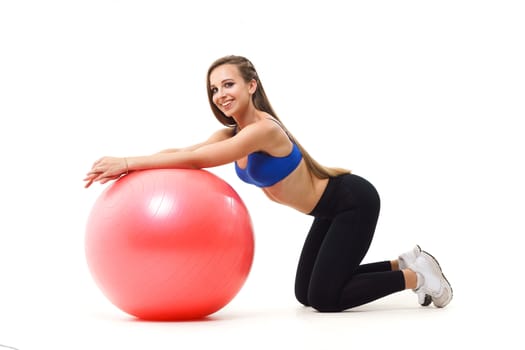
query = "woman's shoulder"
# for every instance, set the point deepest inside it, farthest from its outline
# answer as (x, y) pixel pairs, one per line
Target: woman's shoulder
(265, 126)
(272, 125)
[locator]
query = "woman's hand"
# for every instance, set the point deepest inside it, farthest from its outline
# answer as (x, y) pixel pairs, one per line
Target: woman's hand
(106, 169)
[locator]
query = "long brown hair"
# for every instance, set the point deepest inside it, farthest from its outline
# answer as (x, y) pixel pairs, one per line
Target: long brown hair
(261, 103)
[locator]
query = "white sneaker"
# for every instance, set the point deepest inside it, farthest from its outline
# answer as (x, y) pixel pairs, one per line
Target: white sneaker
(406, 260)
(431, 280)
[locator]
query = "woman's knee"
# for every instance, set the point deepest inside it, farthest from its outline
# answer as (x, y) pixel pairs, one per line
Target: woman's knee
(325, 306)
(301, 296)
(324, 302)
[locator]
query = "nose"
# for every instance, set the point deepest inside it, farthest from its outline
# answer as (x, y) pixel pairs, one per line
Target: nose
(219, 94)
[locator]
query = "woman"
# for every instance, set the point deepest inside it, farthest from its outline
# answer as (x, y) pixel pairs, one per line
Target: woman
(345, 206)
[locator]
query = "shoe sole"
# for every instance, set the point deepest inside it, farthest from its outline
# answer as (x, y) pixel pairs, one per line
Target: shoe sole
(428, 300)
(444, 277)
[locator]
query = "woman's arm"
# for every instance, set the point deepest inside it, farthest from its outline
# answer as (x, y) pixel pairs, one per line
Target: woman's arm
(217, 136)
(221, 148)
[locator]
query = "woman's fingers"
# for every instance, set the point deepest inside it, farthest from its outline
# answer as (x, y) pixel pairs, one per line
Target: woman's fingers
(99, 177)
(109, 178)
(104, 170)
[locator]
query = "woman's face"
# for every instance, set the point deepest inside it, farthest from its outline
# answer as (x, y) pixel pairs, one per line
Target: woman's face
(230, 93)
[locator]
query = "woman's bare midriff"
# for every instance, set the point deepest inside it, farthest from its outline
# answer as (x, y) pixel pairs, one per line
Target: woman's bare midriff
(299, 190)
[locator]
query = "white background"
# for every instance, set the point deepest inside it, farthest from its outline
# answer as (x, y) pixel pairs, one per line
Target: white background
(422, 98)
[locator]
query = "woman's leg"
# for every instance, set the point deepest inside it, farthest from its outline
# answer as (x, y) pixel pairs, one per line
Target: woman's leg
(309, 255)
(329, 275)
(313, 242)
(334, 284)
(337, 281)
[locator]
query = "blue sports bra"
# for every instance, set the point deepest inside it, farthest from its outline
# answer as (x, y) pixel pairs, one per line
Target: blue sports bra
(264, 170)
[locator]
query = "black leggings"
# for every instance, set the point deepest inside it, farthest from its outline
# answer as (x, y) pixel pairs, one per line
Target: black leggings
(329, 276)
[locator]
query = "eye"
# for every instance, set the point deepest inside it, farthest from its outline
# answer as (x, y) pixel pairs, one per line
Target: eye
(214, 90)
(229, 84)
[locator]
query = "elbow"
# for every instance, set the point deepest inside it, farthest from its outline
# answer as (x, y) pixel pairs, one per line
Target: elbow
(203, 163)
(197, 164)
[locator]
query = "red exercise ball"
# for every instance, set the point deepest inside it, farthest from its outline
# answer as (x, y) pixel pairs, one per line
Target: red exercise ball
(169, 244)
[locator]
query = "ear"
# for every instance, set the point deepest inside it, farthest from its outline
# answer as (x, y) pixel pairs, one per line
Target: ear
(252, 87)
